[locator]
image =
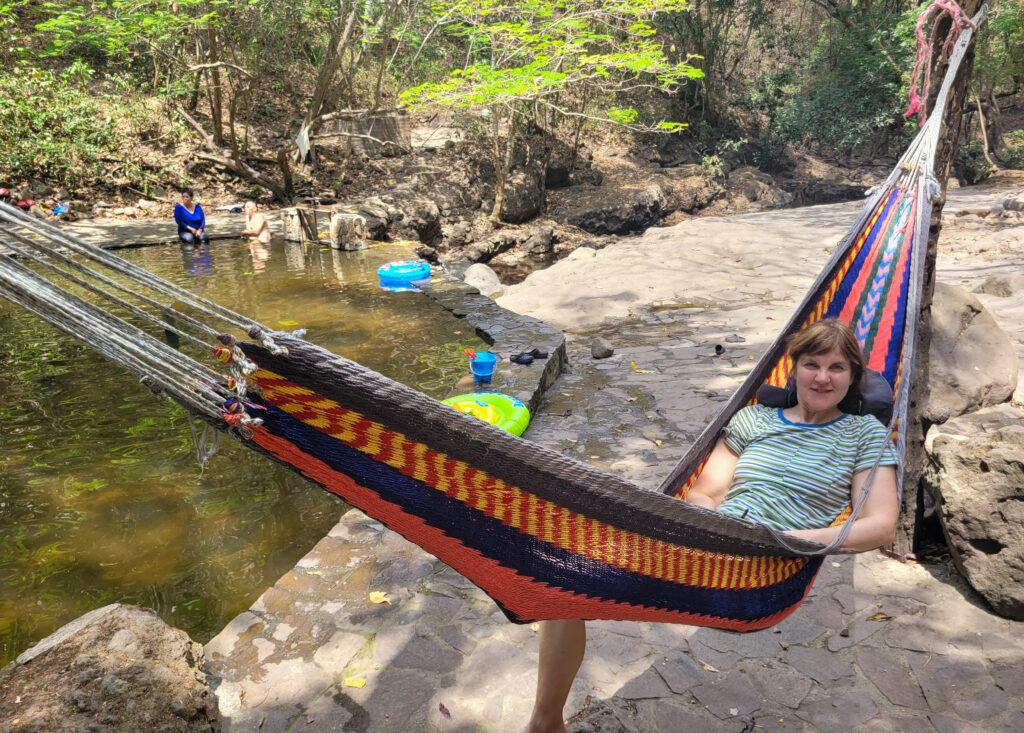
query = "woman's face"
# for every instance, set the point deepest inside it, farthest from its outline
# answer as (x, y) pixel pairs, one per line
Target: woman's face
(822, 380)
(186, 199)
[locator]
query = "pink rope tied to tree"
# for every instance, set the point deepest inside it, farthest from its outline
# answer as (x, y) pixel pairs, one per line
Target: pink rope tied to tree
(958, 21)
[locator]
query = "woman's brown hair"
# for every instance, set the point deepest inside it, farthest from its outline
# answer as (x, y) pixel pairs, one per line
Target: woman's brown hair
(822, 337)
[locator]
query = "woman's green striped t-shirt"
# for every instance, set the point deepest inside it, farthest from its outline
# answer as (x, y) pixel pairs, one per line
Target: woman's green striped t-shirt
(796, 475)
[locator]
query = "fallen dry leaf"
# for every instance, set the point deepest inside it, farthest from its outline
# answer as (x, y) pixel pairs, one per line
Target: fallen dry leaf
(879, 617)
(355, 682)
(379, 596)
(444, 711)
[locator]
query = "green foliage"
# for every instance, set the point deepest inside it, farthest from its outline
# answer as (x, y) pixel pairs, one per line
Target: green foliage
(537, 51)
(969, 162)
(1014, 152)
(119, 29)
(713, 165)
(50, 124)
(847, 90)
(1000, 58)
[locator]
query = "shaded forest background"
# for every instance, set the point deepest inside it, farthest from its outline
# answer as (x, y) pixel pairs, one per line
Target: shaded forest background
(135, 98)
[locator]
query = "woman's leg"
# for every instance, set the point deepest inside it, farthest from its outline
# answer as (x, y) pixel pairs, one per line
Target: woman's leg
(204, 238)
(187, 237)
(562, 644)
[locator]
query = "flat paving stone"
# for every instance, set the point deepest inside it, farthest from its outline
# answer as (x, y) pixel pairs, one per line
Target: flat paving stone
(949, 724)
(754, 644)
(288, 682)
(728, 697)
(428, 655)
(853, 600)
(823, 611)
(614, 652)
(891, 678)
(389, 642)
(333, 711)
(947, 679)
(892, 723)
(399, 700)
(821, 666)
(454, 637)
(777, 682)
(1009, 676)
(857, 631)
(1013, 723)
(648, 685)
(664, 716)
(721, 661)
(681, 672)
(335, 655)
(988, 703)
(914, 634)
(839, 713)
(797, 629)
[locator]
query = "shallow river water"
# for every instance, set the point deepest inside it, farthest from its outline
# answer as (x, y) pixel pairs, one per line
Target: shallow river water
(101, 496)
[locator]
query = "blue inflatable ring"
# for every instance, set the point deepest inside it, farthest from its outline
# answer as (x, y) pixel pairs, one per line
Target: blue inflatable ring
(498, 409)
(403, 271)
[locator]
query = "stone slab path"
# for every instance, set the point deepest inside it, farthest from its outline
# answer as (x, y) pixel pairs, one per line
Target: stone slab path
(878, 645)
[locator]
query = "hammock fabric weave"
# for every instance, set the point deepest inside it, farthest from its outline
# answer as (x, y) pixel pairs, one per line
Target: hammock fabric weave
(545, 536)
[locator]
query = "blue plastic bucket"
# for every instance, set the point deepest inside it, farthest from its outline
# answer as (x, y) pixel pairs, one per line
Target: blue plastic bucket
(401, 274)
(483, 366)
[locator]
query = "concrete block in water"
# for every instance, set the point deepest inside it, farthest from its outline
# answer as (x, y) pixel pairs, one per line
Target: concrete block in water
(304, 224)
(348, 231)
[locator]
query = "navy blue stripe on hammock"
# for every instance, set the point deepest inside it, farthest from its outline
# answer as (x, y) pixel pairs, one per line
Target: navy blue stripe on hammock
(528, 555)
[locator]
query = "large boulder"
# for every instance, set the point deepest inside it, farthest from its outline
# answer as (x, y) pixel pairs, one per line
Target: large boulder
(486, 249)
(758, 188)
(118, 668)
(522, 197)
(972, 361)
(484, 279)
(610, 210)
(975, 474)
(378, 216)
(689, 188)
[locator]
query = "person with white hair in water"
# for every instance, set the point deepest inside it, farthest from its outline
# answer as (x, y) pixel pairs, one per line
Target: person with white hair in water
(256, 226)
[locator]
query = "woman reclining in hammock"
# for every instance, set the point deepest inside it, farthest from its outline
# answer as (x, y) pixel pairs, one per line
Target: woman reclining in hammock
(794, 469)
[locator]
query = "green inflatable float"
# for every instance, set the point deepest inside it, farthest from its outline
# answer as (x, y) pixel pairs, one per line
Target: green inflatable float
(498, 409)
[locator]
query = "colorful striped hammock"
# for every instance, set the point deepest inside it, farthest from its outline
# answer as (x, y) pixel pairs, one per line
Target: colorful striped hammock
(548, 537)
(545, 536)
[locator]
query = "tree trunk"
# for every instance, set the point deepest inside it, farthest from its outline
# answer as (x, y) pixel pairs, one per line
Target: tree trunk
(912, 509)
(499, 167)
(216, 105)
(339, 43)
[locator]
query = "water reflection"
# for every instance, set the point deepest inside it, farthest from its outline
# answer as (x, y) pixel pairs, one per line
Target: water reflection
(101, 499)
(260, 253)
(197, 259)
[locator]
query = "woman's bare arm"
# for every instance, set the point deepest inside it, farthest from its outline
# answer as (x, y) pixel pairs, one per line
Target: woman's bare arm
(713, 483)
(876, 524)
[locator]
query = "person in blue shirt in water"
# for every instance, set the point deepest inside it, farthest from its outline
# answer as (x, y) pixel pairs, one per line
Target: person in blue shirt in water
(190, 219)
